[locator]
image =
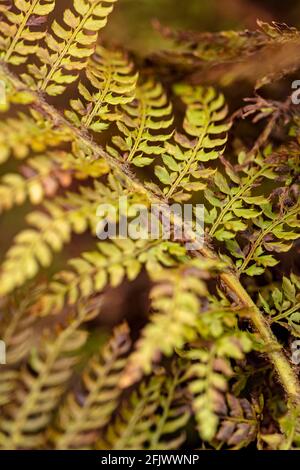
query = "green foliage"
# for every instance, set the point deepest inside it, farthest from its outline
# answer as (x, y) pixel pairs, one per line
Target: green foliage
(183, 160)
(68, 47)
(282, 303)
(138, 125)
(19, 39)
(79, 422)
(182, 374)
(176, 302)
(25, 134)
(110, 74)
(210, 371)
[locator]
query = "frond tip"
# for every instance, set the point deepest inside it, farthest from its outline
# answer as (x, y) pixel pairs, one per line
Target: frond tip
(111, 83)
(68, 47)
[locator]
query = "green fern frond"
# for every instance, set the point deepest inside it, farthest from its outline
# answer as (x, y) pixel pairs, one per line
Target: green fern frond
(41, 385)
(233, 201)
(271, 232)
(43, 175)
(109, 74)
(143, 126)
(130, 430)
(282, 303)
(176, 301)
(209, 372)
(8, 383)
(68, 47)
(194, 51)
(183, 171)
(83, 415)
(49, 232)
(174, 412)
(19, 37)
(41, 179)
(107, 266)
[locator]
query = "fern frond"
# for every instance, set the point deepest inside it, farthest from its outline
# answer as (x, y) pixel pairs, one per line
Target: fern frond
(143, 126)
(17, 328)
(198, 51)
(183, 171)
(282, 303)
(43, 175)
(272, 232)
(41, 385)
(42, 178)
(210, 372)
(112, 83)
(19, 37)
(68, 47)
(239, 426)
(173, 414)
(83, 414)
(107, 266)
(49, 231)
(176, 301)
(131, 428)
(233, 200)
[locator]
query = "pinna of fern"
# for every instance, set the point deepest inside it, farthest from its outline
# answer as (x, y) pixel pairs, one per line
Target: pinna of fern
(144, 125)
(183, 171)
(20, 32)
(68, 47)
(78, 424)
(109, 73)
(42, 382)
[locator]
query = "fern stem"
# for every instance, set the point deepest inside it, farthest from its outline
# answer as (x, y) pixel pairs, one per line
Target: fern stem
(286, 374)
(286, 314)
(20, 31)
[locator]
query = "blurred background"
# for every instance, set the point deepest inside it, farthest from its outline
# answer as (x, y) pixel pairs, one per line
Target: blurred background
(131, 21)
